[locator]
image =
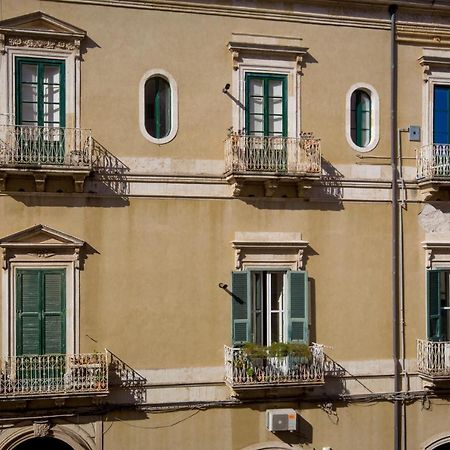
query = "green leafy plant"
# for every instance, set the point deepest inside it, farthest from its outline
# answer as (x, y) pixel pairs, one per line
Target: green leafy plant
(253, 351)
(278, 349)
(300, 350)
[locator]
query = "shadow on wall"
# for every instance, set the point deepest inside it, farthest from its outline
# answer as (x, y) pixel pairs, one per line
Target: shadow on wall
(130, 384)
(106, 187)
(324, 195)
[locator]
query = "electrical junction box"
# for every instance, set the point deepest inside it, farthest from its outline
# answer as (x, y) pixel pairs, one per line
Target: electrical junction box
(414, 133)
(281, 419)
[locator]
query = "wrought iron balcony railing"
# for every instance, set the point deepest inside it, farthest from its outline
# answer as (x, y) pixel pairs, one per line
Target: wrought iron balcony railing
(242, 371)
(54, 374)
(433, 162)
(25, 146)
(433, 359)
(272, 155)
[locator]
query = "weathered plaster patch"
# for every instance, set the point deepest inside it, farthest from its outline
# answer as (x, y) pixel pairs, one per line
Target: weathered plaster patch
(435, 219)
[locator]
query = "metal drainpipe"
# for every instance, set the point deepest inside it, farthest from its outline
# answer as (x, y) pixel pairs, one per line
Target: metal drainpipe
(394, 231)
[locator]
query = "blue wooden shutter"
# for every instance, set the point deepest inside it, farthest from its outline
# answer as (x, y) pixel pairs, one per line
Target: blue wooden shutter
(241, 308)
(298, 308)
(434, 325)
(28, 320)
(441, 115)
(53, 312)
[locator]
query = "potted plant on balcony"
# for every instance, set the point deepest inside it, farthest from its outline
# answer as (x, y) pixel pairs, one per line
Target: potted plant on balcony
(255, 356)
(300, 351)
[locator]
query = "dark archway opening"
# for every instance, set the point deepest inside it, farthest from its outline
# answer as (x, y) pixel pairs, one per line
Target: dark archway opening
(44, 443)
(443, 447)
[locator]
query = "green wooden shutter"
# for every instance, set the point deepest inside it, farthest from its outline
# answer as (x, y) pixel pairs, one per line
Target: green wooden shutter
(298, 308)
(40, 315)
(53, 312)
(28, 321)
(241, 308)
(434, 322)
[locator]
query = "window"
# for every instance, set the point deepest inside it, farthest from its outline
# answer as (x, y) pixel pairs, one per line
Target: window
(362, 127)
(40, 301)
(40, 311)
(40, 92)
(441, 114)
(270, 306)
(158, 106)
(438, 286)
(266, 100)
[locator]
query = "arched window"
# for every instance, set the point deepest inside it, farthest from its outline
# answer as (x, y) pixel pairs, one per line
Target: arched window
(158, 106)
(362, 119)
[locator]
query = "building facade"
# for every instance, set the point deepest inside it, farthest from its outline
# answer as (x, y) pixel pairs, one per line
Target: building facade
(224, 225)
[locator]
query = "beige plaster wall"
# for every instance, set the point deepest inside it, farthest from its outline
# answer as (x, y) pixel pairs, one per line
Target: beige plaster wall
(236, 429)
(149, 288)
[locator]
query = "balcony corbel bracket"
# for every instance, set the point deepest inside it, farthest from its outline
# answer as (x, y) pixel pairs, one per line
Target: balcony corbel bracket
(302, 189)
(237, 188)
(270, 186)
(3, 177)
(79, 182)
(428, 193)
(39, 179)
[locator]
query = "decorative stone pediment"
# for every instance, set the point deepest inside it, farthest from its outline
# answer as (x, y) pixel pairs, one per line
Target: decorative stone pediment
(266, 249)
(437, 250)
(267, 46)
(40, 242)
(39, 30)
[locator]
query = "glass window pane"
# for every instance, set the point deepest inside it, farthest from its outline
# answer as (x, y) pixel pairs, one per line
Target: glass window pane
(157, 98)
(29, 112)
(276, 291)
(365, 101)
(275, 88)
(256, 124)
(51, 94)
(51, 113)
(365, 138)
(275, 327)
(256, 87)
(256, 105)
(275, 124)
(29, 73)
(51, 74)
(276, 106)
(365, 120)
(29, 93)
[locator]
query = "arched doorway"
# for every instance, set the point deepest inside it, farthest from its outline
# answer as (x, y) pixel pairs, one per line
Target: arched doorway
(443, 447)
(43, 443)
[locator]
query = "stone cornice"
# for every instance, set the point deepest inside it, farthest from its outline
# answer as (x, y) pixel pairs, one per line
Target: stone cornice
(351, 13)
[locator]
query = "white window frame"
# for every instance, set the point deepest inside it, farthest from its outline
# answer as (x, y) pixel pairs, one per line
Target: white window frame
(374, 116)
(284, 312)
(268, 67)
(29, 254)
(267, 55)
(72, 79)
(173, 105)
(434, 63)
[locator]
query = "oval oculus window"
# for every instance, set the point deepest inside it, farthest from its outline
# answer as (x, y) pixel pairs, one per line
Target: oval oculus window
(157, 95)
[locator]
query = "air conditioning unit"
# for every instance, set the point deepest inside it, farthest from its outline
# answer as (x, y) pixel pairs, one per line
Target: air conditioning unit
(281, 419)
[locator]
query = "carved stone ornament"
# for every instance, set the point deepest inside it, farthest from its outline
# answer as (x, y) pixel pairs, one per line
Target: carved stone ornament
(428, 258)
(42, 254)
(238, 261)
(300, 259)
(15, 41)
(41, 429)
